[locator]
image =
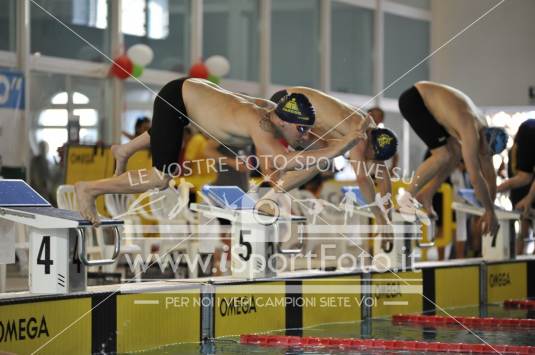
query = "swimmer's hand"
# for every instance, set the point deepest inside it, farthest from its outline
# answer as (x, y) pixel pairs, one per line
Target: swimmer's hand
(489, 223)
(525, 207)
(265, 207)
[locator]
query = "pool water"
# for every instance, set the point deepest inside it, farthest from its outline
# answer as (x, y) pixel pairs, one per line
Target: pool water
(378, 329)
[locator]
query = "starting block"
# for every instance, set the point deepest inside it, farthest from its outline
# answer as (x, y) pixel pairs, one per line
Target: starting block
(501, 247)
(255, 236)
(57, 239)
(397, 255)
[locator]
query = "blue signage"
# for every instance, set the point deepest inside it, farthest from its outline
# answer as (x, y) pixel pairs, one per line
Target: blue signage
(11, 89)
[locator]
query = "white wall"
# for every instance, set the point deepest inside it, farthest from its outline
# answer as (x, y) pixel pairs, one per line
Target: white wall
(493, 61)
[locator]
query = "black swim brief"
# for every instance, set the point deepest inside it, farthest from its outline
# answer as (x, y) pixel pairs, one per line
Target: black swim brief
(413, 109)
(168, 121)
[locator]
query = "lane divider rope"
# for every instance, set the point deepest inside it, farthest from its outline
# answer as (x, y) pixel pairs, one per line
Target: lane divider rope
(523, 304)
(487, 322)
(380, 344)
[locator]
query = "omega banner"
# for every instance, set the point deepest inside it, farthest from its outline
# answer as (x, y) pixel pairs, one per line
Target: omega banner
(11, 117)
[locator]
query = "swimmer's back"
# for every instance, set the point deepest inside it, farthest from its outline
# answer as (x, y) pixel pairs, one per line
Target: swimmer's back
(219, 112)
(451, 107)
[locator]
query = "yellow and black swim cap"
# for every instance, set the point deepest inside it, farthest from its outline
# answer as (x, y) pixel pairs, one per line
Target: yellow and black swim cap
(297, 109)
(384, 143)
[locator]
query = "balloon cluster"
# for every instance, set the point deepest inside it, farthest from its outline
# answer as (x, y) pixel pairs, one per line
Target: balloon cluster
(133, 62)
(213, 69)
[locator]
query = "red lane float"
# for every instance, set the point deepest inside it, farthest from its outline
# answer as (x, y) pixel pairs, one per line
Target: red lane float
(523, 304)
(487, 322)
(379, 344)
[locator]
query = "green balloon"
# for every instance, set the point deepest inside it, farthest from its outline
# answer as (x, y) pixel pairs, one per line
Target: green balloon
(137, 71)
(214, 79)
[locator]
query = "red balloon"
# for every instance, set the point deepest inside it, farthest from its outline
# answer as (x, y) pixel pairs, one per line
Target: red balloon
(199, 70)
(122, 67)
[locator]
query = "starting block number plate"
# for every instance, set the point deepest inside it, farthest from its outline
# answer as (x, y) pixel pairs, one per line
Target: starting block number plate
(54, 263)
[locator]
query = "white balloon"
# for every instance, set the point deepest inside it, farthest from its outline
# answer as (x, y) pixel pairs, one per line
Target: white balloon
(218, 65)
(140, 54)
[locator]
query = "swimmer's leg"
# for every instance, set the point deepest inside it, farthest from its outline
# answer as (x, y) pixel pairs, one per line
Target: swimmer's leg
(426, 193)
(123, 152)
(440, 157)
(134, 181)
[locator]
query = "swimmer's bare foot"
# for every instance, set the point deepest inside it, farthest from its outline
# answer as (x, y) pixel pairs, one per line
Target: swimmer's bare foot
(86, 203)
(121, 158)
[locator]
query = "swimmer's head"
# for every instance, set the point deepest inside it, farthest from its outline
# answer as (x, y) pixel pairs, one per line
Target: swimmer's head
(296, 109)
(496, 138)
(276, 97)
(293, 117)
(383, 143)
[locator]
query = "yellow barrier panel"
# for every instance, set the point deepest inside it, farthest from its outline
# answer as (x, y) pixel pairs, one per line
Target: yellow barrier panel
(88, 163)
(151, 320)
(506, 281)
(328, 300)
(141, 160)
(448, 226)
(46, 327)
(445, 236)
(249, 308)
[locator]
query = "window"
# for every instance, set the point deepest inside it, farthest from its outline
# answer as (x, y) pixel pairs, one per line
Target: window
(7, 25)
(52, 122)
(92, 13)
(164, 25)
(88, 18)
(231, 30)
(146, 18)
(407, 42)
(421, 4)
(295, 38)
(138, 103)
(61, 98)
(352, 49)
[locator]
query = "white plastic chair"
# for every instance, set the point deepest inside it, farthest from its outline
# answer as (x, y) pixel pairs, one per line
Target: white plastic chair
(162, 204)
(118, 207)
(329, 215)
(66, 198)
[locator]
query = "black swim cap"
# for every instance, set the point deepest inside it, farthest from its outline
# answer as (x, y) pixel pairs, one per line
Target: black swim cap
(276, 97)
(384, 143)
(297, 109)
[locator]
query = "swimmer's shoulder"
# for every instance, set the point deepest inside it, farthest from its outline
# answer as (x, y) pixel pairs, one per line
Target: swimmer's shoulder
(305, 91)
(317, 96)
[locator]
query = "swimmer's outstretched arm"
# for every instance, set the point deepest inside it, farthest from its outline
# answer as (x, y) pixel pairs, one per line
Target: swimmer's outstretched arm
(526, 203)
(471, 157)
(357, 157)
(293, 179)
(385, 183)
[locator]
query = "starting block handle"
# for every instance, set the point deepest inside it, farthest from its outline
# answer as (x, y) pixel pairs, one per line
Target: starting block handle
(82, 251)
(300, 233)
(430, 237)
(425, 245)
